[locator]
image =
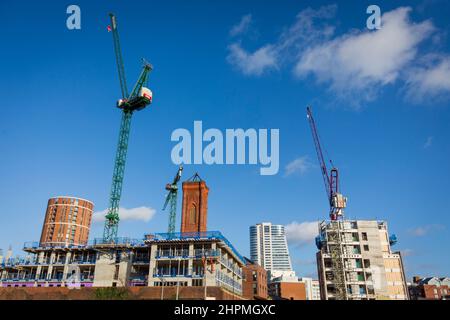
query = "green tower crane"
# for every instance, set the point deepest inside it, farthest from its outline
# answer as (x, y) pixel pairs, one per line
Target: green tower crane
(172, 198)
(139, 98)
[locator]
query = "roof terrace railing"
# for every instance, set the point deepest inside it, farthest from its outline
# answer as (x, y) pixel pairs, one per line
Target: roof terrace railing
(207, 235)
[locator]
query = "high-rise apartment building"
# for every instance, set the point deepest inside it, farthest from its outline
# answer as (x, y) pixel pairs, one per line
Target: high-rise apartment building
(268, 248)
(355, 262)
(67, 222)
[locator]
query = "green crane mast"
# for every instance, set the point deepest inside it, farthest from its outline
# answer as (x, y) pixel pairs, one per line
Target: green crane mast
(172, 198)
(139, 98)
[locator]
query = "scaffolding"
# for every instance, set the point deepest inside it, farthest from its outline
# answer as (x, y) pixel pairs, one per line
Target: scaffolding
(334, 235)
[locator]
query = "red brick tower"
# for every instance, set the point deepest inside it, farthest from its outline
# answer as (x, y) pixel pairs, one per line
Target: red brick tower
(67, 221)
(195, 205)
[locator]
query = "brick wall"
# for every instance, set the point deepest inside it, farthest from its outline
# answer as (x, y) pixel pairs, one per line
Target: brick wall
(194, 212)
(132, 293)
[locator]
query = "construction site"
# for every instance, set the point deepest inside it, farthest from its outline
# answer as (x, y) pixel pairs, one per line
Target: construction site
(65, 257)
(355, 260)
(193, 257)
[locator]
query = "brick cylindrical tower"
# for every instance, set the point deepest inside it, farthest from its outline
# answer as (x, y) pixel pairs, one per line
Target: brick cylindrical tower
(195, 205)
(67, 222)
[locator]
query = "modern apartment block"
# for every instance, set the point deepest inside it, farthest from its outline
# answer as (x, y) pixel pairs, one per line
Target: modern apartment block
(355, 262)
(180, 259)
(268, 248)
(67, 221)
(312, 288)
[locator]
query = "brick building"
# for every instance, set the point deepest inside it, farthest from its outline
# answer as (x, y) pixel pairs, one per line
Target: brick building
(195, 205)
(67, 222)
(254, 284)
(287, 290)
(431, 288)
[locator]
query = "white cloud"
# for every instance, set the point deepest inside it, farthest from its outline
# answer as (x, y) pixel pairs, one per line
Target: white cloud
(428, 143)
(269, 56)
(310, 26)
(301, 233)
(358, 64)
(424, 230)
(139, 214)
(242, 26)
(432, 80)
(255, 63)
(300, 165)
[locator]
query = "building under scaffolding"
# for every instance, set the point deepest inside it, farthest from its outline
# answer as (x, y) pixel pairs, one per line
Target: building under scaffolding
(180, 259)
(193, 257)
(355, 262)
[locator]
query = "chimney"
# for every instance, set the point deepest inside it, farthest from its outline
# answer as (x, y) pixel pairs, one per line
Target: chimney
(195, 205)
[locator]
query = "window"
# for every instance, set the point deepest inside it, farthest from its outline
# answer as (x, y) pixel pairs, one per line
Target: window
(364, 236)
(358, 263)
(193, 214)
(366, 247)
(362, 289)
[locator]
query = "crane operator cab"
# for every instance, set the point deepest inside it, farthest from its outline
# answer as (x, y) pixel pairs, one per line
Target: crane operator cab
(143, 99)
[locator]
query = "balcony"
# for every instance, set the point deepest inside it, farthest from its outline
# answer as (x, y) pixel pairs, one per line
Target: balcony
(84, 261)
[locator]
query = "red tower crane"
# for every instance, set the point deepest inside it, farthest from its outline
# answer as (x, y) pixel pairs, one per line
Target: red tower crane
(336, 200)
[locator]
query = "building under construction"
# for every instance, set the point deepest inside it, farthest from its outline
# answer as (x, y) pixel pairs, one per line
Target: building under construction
(355, 262)
(192, 257)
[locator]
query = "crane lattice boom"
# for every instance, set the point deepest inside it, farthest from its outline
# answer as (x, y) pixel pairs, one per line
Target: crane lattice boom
(172, 198)
(336, 200)
(139, 98)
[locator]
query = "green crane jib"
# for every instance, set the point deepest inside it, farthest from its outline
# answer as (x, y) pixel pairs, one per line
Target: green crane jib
(172, 198)
(139, 98)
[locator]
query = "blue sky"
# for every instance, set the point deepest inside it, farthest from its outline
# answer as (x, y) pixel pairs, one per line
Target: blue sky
(381, 100)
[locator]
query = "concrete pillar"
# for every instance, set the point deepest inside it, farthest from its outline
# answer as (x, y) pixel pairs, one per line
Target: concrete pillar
(124, 268)
(40, 261)
(105, 268)
(151, 269)
(50, 266)
(66, 265)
